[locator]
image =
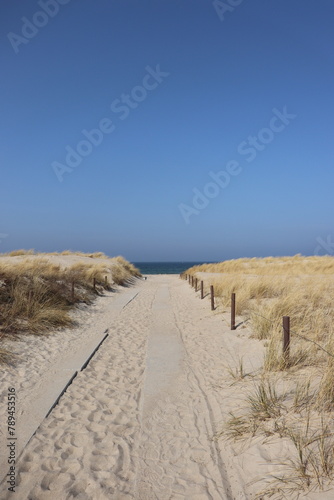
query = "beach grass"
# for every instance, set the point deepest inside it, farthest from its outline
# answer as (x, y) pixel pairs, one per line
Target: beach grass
(270, 288)
(36, 293)
(266, 290)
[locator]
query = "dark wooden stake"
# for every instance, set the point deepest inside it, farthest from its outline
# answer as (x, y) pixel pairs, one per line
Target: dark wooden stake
(212, 298)
(106, 281)
(286, 339)
(196, 280)
(192, 282)
(233, 311)
(202, 290)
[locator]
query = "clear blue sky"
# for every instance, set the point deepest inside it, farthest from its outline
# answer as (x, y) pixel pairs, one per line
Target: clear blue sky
(180, 89)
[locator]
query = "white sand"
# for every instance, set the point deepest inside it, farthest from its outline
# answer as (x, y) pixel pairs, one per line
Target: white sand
(139, 422)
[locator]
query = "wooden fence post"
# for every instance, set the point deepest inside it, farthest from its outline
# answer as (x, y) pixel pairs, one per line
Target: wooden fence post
(286, 339)
(233, 311)
(212, 298)
(196, 284)
(106, 281)
(202, 289)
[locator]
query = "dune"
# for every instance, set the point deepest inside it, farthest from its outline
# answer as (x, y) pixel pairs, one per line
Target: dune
(147, 417)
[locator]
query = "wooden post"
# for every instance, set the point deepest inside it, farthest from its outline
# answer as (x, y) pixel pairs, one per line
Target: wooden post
(212, 298)
(196, 284)
(189, 279)
(72, 291)
(106, 281)
(233, 311)
(286, 339)
(202, 289)
(192, 282)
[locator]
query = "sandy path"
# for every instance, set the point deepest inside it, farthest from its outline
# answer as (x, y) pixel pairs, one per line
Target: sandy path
(139, 421)
(47, 363)
(177, 457)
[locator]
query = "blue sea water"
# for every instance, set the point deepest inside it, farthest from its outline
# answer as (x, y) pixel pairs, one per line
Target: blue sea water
(164, 267)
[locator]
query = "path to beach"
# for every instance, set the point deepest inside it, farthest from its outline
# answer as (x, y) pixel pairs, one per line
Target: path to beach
(139, 422)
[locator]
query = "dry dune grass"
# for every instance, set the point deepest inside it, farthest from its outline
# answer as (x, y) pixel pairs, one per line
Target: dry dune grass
(266, 290)
(272, 411)
(94, 255)
(118, 269)
(296, 265)
(16, 253)
(123, 269)
(36, 293)
(326, 391)
(34, 296)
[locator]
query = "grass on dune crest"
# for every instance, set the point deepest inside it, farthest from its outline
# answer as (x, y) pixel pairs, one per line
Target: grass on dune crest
(268, 289)
(94, 255)
(17, 253)
(303, 416)
(36, 293)
(117, 270)
(305, 293)
(296, 265)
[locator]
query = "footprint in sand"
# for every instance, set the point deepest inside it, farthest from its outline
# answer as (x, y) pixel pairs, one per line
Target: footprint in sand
(55, 481)
(51, 464)
(94, 427)
(78, 440)
(94, 416)
(78, 488)
(71, 467)
(27, 466)
(102, 463)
